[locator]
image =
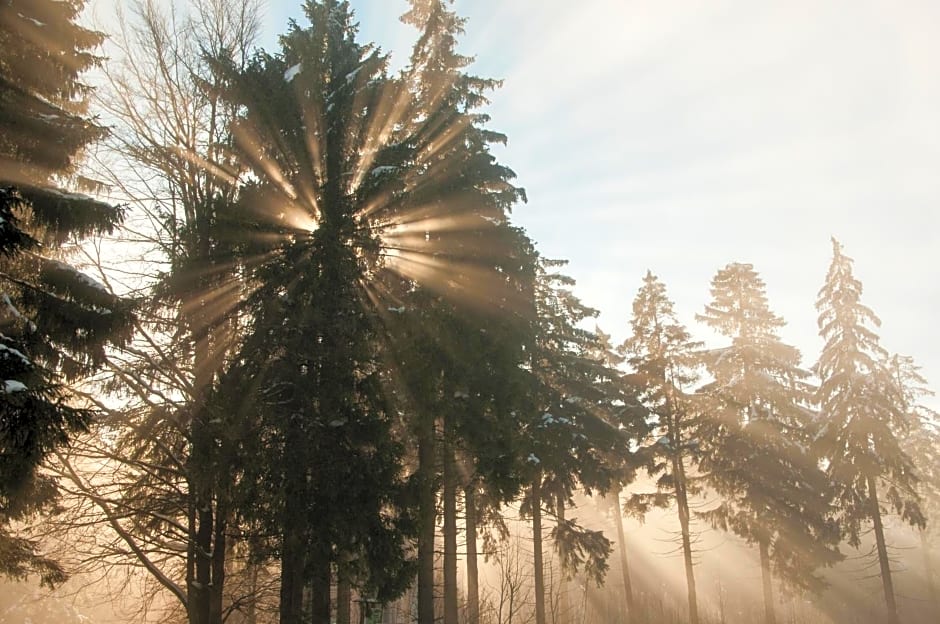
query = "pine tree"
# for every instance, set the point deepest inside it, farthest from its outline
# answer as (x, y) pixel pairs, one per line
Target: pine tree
(466, 280)
(571, 435)
(758, 456)
(923, 445)
(863, 418)
(55, 320)
(310, 359)
(662, 354)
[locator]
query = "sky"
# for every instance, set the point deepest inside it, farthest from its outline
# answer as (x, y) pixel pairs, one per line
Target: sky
(679, 136)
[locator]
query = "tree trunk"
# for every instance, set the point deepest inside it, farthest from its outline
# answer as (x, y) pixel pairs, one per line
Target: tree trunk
(201, 587)
(624, 563)
(320, 585)
(450, 528)
(473, 575)
(769, 616)
(928, 572)
(883, 560)
(216, 595)
(537, 550)
(294, 533)
(682, 502)
(343, 600)
(426, 518)
(292, 575)
(564, 607)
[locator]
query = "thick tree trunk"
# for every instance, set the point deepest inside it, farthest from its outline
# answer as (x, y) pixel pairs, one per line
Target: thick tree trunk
(624, 563)
(537, 550)
(473, 575)
(883, 560)
(343, 600)
(320, 585)
(450, 528)
(292, 576)
(427, 516)
(928, 572)
(682, 502)
(769, 616)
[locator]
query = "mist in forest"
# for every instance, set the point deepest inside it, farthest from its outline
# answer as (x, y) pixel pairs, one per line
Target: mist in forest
(278, 344)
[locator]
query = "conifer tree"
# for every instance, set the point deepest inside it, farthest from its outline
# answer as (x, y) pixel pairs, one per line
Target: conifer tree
(663, 356)
(863, 418)
(571, 429)
(757, 456)
(55, 320)
(316, 414)
(923, 445)
(461, 184)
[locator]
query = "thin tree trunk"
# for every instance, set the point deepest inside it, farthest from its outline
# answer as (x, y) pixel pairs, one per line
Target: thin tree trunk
(537, 550)
(682, 502)
(427, 516)
(251, 611)
(769, 616)
(564, 608)
(343, 600)
(624, 563)
(202, 586)
(928, 571)
(450, 527)
(216, 596)
(294, 542)
(473, 575)
(883, 560)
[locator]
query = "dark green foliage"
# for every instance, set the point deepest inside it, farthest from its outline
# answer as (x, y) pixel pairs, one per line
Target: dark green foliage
(55, 321)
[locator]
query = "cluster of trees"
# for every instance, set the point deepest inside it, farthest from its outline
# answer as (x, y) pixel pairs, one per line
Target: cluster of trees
(332, 344)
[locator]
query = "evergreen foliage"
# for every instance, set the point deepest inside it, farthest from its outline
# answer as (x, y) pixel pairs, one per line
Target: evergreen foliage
(864, 417)
(55, 320)
(757, 454)
(662, 354)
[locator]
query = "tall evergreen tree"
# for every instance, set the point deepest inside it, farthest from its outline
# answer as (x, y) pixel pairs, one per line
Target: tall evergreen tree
(863, 418)
(923, 445)
(316, 409)
(571, 431)
(55, 320)
(663, 356)
(758, 456)
(462, 198)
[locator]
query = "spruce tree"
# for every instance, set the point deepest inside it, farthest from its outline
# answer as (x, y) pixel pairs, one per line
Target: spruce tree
(757, 456)
(466, 281)
(310, 361)
(863, 418)
(55, 320)
(571, 435)
(922, 443)
(662, 354)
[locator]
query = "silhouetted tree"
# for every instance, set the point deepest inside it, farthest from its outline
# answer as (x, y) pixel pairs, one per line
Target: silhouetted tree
(863, 418)
(570, 432)
(56, 321)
